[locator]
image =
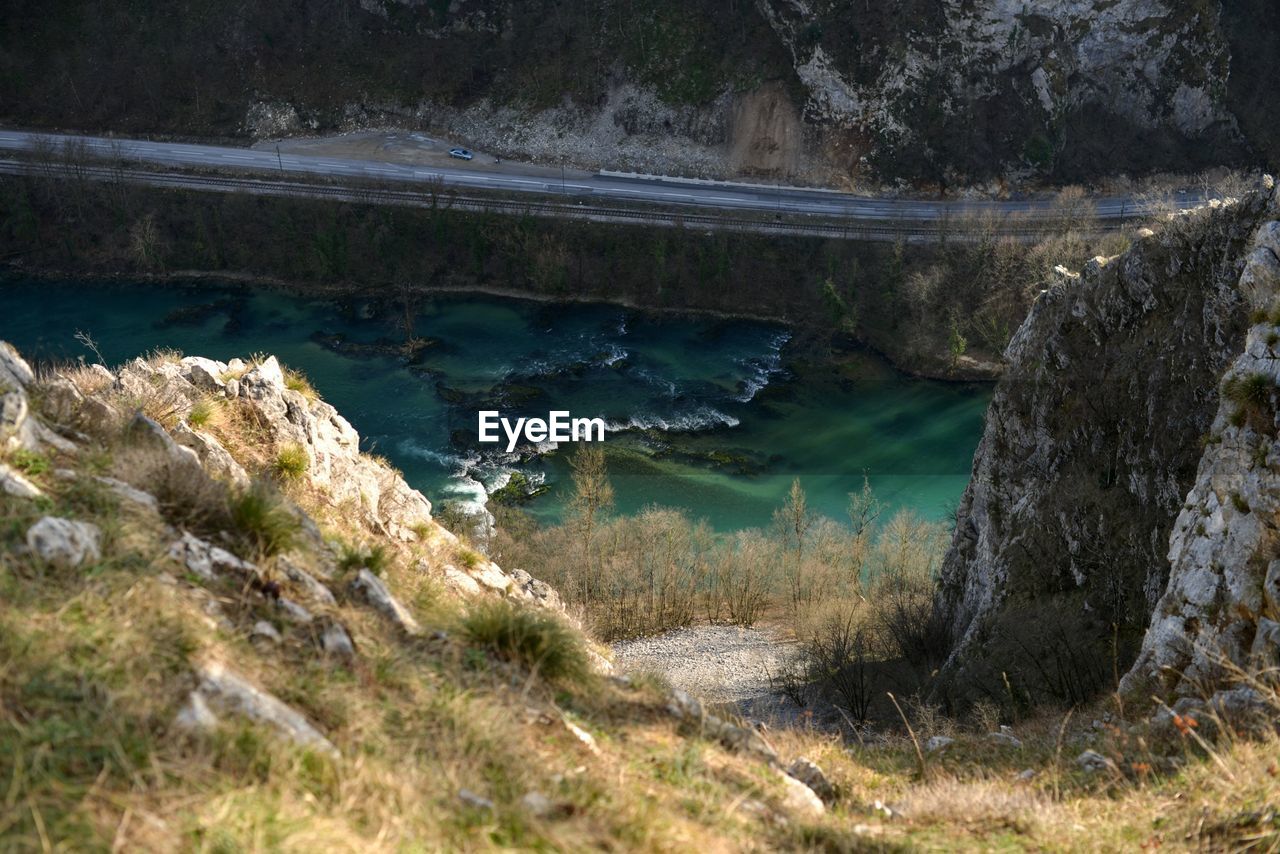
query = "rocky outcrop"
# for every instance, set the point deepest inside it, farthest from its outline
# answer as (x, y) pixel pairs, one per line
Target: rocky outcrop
(1091, 445)
(1218, 614)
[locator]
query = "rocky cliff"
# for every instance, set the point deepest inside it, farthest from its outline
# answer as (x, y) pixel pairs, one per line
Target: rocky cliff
(177, 417)
(823, 90)
(1103, 458)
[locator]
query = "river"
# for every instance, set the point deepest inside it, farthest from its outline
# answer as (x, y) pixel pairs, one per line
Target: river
(713, 415)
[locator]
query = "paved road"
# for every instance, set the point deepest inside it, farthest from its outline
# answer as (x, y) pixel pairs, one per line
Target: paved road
(591, 190)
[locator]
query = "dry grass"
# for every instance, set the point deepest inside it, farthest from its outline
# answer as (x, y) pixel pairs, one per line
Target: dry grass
(95, 662)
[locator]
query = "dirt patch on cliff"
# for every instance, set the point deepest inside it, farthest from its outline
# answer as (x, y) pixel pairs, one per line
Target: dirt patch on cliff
(766, 133)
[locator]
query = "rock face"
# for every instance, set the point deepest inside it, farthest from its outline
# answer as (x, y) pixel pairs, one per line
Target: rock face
(1091, 444)
(1028, 70)
(1223, 596)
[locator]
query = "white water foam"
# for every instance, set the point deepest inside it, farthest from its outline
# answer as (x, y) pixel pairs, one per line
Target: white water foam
(702, 418)
(762, 368)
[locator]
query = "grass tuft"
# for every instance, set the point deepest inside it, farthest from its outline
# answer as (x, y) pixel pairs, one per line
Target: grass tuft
(290, 462)
(374, 558)
(201, 413)
(532, 639)
(263, 521)
(297, 381)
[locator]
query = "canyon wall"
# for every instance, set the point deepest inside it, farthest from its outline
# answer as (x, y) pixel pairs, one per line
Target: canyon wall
(831, 91)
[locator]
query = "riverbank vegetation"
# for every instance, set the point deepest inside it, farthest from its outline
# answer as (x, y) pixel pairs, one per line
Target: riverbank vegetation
(856, 594)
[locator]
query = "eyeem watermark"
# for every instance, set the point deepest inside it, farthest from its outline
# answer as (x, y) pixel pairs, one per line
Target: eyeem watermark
(557, 427)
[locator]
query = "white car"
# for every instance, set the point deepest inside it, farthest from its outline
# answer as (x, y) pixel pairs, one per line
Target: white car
(460, 153)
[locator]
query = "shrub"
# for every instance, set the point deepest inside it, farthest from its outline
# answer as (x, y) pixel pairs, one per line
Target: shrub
(263, 521)
(532, 639)
(840, 655)
(469, 558)
(291, 462)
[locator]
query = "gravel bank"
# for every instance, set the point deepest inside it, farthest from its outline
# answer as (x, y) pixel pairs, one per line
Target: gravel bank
(721, 664)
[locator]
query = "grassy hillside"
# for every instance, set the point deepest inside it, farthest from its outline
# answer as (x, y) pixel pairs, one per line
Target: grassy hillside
(482, 726)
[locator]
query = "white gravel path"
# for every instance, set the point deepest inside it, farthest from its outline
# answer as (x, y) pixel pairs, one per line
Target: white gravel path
(721, 664)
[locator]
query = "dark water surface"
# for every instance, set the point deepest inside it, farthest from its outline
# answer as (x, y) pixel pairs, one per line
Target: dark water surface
(705, 414)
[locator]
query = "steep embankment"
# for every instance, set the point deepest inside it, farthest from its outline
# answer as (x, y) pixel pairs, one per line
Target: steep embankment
(826, 90)
(1091, 446)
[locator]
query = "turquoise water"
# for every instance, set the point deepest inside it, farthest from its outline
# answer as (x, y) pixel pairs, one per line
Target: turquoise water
(715, 416)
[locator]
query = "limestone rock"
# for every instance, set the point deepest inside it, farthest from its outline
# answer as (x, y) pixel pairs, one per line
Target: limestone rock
(938, 742)
(209, 451)
(221, 687)
(15, 373)
(687, 708)
(811, 775)
(459, 581)
(799, 798)
(264, 631)
(336, 640)
(129, 493)
(17, 429)
(1242, 709)
(1091, 443)
(489, 576)
(1265, 652)
(371, 589)
(1004, 739)
(207, 560)
(148, 432)
(196, 715)
(64, 543)
(473, 800)
(62, 401)
(204, 373)
(587, 739)
(535, 591)
(13, 482)
(1093, 762)
(95, 413)
(306, 582)
(1221, 549)
(294, 612)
